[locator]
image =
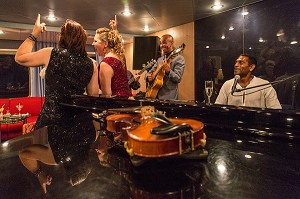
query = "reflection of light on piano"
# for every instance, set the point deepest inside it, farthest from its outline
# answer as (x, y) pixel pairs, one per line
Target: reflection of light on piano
(225, 108)
(289, 119)
(268, 113)
(288, 133)
(248, 156)
(262, 141)
(253, 142)
(240, 122)
(291, 137)
(239, 141)
(5, 144)
(267, 128)
(221, 168)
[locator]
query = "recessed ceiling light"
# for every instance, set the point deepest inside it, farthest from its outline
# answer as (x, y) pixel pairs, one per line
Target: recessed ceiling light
(231, 28)
(126, 13)
(51, 18)
(245, 13)
(217, 6)
(146, 28)
(294, 42)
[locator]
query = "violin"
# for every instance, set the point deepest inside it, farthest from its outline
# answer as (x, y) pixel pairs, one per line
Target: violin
(156, 135)
(118, 123)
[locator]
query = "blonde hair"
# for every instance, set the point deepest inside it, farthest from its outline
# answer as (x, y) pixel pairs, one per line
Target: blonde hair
(114, 40)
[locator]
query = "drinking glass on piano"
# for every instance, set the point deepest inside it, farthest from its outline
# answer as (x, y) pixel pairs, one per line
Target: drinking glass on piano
(209, 90)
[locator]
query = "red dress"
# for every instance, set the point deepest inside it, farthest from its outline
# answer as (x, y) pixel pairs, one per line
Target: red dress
(119, 82)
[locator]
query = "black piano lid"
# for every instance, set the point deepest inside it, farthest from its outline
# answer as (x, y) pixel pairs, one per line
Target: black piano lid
(274, 124)
(253, 153)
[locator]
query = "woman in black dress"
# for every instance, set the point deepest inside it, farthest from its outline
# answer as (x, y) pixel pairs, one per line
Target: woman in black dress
(69, 72)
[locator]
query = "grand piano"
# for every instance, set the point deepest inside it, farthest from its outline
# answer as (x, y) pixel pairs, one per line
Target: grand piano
(252, 153)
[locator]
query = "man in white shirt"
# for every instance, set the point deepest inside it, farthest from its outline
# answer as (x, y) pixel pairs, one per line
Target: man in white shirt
(261, 97)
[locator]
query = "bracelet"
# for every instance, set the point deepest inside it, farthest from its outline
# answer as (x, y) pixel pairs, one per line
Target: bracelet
(32, 37)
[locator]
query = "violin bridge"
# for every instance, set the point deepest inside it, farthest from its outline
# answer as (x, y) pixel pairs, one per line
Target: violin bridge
(188, 139)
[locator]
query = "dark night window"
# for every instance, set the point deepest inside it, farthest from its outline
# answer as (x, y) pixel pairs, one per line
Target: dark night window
(14, 79)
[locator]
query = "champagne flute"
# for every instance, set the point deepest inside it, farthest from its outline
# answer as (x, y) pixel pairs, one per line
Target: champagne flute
(209, 90)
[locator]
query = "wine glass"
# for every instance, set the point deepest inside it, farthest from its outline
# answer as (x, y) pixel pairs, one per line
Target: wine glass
(209, 90)
(19, 107)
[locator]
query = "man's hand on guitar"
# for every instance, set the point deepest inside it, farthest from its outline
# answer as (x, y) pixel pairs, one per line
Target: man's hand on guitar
(137, 77)
(166, 66)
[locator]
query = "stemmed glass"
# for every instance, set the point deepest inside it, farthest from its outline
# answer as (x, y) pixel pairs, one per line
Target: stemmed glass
(19, 107)
(209, 90)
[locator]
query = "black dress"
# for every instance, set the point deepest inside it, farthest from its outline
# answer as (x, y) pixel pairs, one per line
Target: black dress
(70, 132)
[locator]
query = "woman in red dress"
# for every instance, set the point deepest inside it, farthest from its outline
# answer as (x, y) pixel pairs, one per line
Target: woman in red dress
(112, 70)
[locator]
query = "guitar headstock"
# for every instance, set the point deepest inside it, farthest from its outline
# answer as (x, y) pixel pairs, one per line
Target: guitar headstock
(149, 64)
(177, 50)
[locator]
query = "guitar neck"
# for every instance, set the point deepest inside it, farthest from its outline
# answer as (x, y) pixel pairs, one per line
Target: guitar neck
(139, 73)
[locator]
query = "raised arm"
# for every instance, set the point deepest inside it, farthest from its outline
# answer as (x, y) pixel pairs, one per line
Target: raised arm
(24, 55)
(113, 23)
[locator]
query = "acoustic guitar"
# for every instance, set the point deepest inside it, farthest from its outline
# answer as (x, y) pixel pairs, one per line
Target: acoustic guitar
(148, 66)
(159, 73)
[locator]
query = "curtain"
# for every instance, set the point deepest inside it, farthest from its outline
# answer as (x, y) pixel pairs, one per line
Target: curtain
(37, 84)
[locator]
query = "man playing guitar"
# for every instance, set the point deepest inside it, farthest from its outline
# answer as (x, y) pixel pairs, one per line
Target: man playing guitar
(170, 70)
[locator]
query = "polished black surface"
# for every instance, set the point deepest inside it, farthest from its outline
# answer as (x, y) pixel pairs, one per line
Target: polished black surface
(244, 161)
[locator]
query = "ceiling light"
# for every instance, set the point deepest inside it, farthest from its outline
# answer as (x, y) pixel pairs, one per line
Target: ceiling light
(217, 6)
(261, 39)
(245, 13)
(126, 13)
(223, 37)
(146, 28)
(51, 18)
(231, 28)
(206, 46)
(294, 42)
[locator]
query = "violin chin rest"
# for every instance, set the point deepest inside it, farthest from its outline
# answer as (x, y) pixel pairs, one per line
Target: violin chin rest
(171, 129)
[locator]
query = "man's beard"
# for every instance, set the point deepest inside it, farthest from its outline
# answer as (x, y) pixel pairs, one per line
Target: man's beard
(164, 51)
